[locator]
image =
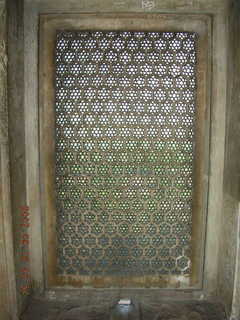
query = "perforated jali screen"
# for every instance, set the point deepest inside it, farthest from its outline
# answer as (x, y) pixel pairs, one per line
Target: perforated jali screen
(125, 110)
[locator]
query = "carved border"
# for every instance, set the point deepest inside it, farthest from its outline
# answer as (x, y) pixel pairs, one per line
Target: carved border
(216, 80)
(48, 26)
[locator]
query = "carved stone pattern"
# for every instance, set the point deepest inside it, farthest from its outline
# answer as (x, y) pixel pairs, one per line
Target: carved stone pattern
(125, 110)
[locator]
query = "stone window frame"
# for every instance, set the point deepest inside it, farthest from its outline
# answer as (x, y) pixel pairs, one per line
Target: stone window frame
(201, 24)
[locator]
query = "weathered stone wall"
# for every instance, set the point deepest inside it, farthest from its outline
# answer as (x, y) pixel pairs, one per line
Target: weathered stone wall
(3, 133)
(227, 277)
(24, 147)
(8, 308)
(132, 5)
(16, 117)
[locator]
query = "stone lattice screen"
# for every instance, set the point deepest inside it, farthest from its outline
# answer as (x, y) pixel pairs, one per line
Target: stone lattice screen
(125, 110)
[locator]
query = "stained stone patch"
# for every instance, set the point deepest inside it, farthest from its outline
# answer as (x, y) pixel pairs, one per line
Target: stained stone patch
(149, 308)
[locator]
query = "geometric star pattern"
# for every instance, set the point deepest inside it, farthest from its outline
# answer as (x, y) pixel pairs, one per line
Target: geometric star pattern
(125, 117)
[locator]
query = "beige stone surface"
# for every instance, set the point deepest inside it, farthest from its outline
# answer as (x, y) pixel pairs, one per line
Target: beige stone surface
(229, 276)
(133, 5)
